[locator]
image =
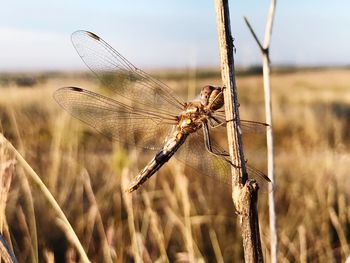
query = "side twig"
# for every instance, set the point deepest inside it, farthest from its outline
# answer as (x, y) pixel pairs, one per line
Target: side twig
(36, 179)
(268, 113)
(244, 191)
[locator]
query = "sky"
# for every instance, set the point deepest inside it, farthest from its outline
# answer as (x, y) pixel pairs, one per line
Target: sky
(35, 35)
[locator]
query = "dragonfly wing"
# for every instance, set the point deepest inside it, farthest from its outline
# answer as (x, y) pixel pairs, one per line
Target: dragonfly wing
(263, 181)
(253, 173)
(114, 119)
(247, 126)
(253, 126)
(121, 76)
(194, 154)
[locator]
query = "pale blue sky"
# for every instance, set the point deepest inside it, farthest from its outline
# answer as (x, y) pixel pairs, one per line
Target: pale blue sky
(35, 35)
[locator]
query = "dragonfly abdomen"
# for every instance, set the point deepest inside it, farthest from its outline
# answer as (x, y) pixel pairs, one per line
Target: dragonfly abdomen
(168, 150)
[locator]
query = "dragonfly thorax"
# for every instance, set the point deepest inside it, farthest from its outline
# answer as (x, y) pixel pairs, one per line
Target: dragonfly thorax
(192, 117)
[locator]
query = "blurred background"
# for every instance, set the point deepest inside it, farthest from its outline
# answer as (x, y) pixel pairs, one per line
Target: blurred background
(176, 215)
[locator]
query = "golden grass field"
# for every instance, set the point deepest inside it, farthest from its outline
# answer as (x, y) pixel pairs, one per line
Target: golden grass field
(177, 216)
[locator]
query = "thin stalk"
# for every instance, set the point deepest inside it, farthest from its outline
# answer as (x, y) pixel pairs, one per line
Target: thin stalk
(27, 197)
(136, 249)
(107, 257)
(268, 115)
(269, 134)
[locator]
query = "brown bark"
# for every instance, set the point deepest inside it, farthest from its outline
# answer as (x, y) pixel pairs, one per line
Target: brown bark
(244, 192)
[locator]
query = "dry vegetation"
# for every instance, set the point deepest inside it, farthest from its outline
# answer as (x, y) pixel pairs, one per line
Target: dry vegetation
(177, 216)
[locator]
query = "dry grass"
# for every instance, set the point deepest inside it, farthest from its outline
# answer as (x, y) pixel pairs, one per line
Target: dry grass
(177, 217)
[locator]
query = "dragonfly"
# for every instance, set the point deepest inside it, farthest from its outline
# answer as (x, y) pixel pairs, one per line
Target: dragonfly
(143, 111)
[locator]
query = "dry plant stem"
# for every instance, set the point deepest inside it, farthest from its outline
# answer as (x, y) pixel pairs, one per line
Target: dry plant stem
(250, 223)
(155, 228)
(36, 179)
(182, 182)
(268, 115)
(99, 224)
(244, 193)
(270, 160)
(29, 211)
(27, 196)
(230, 93)
(127, 198)
(303, 245)
(340, 231)
(216, 246)
(22, 222)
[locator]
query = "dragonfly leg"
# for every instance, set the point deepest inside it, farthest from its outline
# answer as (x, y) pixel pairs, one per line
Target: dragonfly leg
(208, 144)
(208, 147)
(256, 173)
(219, 123)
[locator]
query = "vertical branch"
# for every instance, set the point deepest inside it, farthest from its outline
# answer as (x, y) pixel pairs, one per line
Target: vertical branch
(268, 113)
(269, 23)
(244, 193)
(230, 93)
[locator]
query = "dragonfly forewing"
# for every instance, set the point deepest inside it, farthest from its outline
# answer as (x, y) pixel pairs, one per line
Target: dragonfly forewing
(116, 120)
(122, 77)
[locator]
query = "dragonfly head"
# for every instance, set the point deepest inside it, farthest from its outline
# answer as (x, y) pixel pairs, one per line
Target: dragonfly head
(212, 97)
(205, 94)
